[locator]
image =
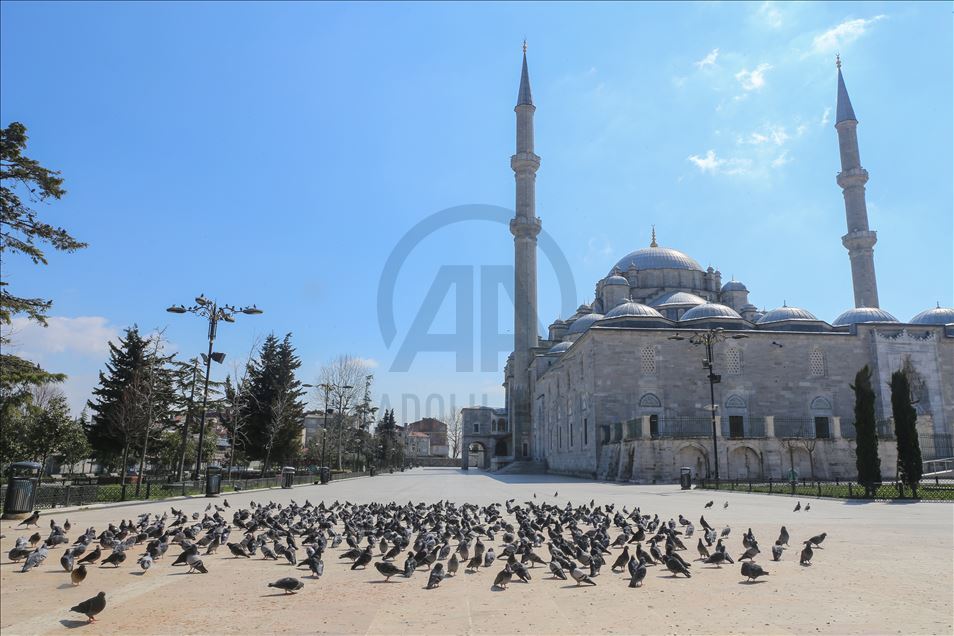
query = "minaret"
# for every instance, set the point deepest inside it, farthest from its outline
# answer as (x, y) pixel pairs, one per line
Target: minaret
(859, 240)
(524, 226)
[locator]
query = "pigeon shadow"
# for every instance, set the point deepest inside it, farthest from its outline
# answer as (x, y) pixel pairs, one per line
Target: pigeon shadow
(139, 573)
(71, 624)
(756, 582)
(65, 586)
(276, 594)
(378, 582)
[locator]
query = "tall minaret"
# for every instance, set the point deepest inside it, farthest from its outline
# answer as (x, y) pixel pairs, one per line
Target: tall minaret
(524, 226)
(859, 240)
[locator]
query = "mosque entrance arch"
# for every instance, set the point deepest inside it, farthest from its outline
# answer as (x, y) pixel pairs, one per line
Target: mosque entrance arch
(745, 463)
(477, 456)
(500, 448)
(694, 457)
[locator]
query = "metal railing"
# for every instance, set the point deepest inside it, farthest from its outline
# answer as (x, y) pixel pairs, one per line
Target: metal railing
(685, 427)
(930, 489)
(794, 427)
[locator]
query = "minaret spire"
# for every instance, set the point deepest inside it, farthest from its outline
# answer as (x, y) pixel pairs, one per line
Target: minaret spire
(859, 240)
(524, 226)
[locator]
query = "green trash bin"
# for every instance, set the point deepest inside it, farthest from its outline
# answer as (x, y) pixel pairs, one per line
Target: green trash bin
(21, 489)
(288, 476)
(213, 481)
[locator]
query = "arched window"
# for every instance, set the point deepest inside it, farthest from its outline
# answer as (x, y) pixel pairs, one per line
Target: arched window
(650, 401)
(733, 361)
(735, 402)
(816, 362)
(821, 404)
(648, 359)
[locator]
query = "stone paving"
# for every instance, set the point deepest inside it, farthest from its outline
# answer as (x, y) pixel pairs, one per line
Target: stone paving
(884, 568)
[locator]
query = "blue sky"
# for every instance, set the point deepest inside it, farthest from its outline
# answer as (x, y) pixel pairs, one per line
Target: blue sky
(276, 153)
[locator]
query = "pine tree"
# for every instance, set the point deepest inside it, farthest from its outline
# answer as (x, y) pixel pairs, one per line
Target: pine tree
(273, 411)
(906, 432)
(866, 451)
(386, 433)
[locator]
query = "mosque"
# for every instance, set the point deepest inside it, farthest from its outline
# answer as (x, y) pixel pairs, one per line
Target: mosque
(616, 391)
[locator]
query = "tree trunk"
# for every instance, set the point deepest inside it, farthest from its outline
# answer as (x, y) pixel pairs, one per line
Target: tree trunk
(122, 478)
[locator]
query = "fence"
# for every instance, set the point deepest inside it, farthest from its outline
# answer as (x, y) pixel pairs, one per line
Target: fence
(794, 427)
(930, 489)
(685, 427)
(86, 492)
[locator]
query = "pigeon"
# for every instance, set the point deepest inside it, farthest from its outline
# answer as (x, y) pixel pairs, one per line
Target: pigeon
(114, 559)
(489, 557)
(621, 560)
(363, 560)
(637, 571)
(452, 565)
(805, 557)
(196, 565)
(503, 578)
(703, 550)
(31, 520)
(288, 584)
(145, 562)
(808, 507)
(91, 607)
(67, 560)
(387, 569)
(725, 505)
(93, 556)
(238, 550)
(798, 507)
(750, 553)
(36, 558)
(709, 505)
(752, 571)
(35, 538)
(776, 552)
(817, 539)
(676, 566)
(717, 558)
(557, 570)
(436, 576)
(77, 575)
(580, 577)
(782, 537)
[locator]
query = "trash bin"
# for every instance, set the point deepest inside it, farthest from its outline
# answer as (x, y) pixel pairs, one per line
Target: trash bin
(213, 481)
(288, 476)
(371, 471)
(21, 490)
(324, 474)
(685, 478)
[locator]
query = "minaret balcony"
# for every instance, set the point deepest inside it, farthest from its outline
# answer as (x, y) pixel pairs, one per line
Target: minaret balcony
(852, 178)
(523, 161)
(859, 240)
(525, 227)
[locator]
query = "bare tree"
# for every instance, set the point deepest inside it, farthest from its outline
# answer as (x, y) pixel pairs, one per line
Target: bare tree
(234, 415)
(808, 443)
(455, 427)
(345, 378)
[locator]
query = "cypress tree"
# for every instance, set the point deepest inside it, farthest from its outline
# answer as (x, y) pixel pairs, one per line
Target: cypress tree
(906, 432)
(866, 450)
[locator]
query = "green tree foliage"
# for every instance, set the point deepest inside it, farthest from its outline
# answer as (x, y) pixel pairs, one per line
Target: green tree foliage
(272, 409)
(45, 429)
(910, 467)
(22, 232)
(866, 449)
(134, 402)
(390, 449)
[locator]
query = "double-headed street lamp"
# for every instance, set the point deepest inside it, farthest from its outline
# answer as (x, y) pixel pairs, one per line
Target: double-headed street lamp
(710, 337)
(210, 310)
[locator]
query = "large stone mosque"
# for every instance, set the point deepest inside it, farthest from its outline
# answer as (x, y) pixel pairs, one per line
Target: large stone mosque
(621, 389)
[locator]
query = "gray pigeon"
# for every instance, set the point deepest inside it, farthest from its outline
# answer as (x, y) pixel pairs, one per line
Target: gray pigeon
(776, 552)
(387, 569)
(805, 557)
(503, 578)
(637, 572)
(452, 565)
(288, 584)
(557, 570)
(817, 539)
(91, 607)
(580, 577)
(145, 562)
(752, 571)
(67, 560)
(782, 537)
(436, 576)
(78, 575)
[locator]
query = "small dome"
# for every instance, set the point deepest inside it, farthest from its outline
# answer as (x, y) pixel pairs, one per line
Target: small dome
(657, 258)
(934, 316)
(616, 280)
(710, 310)
(633, 309)
(863, 314)
(678, 298)
(786, 313)
(734, 285)
(560, 347)
(583, 323)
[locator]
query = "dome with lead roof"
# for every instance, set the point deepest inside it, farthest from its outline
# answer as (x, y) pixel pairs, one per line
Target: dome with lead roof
(786, 313)
(862, 314)
(710, 310)
(583, 323)
(657, 258)
(934, 316)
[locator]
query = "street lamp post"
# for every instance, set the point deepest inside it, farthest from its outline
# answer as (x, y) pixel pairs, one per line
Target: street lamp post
(210, 310)
(708, 338)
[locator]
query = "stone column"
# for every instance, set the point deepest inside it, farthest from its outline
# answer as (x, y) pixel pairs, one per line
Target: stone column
(647, 431)
(770, 426)
(836, 427)
(718, 422)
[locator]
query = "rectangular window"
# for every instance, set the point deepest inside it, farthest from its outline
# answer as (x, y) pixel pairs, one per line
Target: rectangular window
(736, 426)
(821, 428)
(586, 433)
(476, 427)
(570, 426)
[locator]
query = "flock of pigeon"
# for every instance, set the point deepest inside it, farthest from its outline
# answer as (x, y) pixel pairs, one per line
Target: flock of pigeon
(568, 542)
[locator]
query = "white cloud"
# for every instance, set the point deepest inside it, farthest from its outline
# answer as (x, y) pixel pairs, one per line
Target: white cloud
(843, 34)
(708, 60)
(770, 14)
(754, 79)
(369, 363)
(826, 117)
(781, 160)
(711, 164)
(86, 336)
(773, 134)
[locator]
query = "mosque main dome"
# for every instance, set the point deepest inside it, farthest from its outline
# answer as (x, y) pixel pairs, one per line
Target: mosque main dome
(657, 258)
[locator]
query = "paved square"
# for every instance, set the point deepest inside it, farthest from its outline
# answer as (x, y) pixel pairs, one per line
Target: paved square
(885, 568)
